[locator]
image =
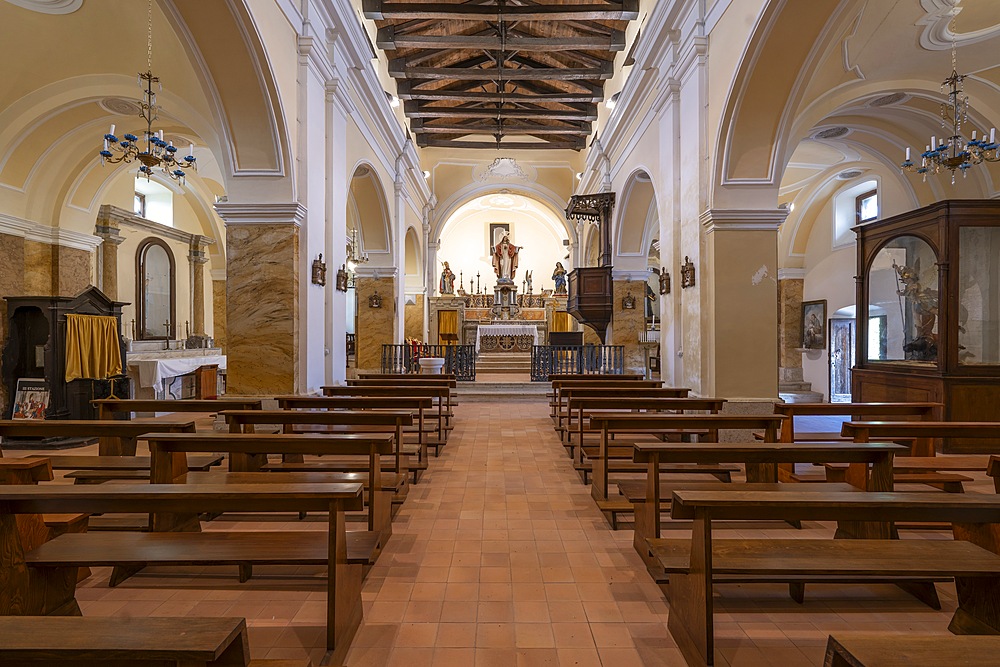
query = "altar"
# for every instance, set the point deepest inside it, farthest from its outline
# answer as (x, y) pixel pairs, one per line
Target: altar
(506, 337)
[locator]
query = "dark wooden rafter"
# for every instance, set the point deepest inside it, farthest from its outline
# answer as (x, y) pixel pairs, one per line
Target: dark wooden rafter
(471, 71)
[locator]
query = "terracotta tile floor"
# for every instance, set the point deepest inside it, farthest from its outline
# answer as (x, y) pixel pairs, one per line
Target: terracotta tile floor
(500, 557)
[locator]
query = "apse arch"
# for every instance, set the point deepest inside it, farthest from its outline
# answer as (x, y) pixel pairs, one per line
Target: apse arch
(445, 210)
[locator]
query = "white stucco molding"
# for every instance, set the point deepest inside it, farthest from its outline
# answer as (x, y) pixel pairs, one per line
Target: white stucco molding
(218, 274)
(49, 6)
(791, 274)
(126, 218)
(234, 213)
(767, 220)
(640, 276)
(376, 272)
(34, 231)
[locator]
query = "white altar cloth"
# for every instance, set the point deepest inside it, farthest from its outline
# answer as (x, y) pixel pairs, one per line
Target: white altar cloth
(506, 330)
(152, 372)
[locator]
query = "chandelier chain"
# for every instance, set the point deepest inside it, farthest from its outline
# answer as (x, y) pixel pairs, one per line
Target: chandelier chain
(149, 35)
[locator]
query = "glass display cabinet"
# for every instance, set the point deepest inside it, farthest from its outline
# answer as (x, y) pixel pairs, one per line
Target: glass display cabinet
(928, 290)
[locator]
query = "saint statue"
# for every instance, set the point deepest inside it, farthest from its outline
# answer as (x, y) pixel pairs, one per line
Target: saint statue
(559, 276)
(447, 282)
(505, 258)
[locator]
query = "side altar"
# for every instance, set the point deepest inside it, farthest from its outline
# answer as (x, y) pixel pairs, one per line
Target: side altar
(504, 321)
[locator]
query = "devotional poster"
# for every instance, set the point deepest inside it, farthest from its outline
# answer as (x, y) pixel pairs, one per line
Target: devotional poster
(31, 400)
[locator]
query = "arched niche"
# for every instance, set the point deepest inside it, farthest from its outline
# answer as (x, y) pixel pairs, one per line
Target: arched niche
(156, 294)
(368, 213)
(638, 218)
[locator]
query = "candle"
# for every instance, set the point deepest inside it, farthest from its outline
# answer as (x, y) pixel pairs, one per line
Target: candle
(105, 144)
(907, 153)
(112, 129)
(161, 135)
(933, 142)
(993, 135)
(973, 135)
(191, 149)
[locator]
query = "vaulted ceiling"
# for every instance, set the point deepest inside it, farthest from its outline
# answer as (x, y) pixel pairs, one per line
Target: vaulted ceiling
(510, 73)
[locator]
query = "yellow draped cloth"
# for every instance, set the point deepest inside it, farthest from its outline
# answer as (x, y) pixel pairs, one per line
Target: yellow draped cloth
(92, 349)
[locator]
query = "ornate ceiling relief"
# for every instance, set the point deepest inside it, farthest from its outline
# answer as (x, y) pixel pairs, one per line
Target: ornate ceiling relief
(973, 23)
(49, 6)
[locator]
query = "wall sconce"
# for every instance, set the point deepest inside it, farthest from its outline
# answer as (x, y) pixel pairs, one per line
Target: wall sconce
(319, 271)
(375, 301)
(664, 281)
(628, 301)
(687, 273)
(342, 278)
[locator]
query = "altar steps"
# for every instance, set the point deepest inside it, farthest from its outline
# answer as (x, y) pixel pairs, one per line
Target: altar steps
(483, 392)
(504, 362)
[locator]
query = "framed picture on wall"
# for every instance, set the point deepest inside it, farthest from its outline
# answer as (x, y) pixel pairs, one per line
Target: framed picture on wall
(814, 325)
(497, 230)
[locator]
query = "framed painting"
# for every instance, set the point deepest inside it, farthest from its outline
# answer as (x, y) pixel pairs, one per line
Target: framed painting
(497, 230)
(814, 325)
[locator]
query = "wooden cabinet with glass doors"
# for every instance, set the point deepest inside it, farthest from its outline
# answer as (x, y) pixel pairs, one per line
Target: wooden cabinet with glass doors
(929, 283)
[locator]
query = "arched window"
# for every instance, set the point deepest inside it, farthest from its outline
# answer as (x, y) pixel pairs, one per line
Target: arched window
(155, 293)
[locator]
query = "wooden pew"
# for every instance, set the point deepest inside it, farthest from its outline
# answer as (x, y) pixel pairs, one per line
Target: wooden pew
(41, 579)
(896, 650)
(610, 386)
(993, 470)
(109, 407)
(247, 454)
(975, 569)
(564, 420)
(872, 463)
(190, 641)
(420, 407)
(585, 376)
(616, 423)
(440, 395)
(117, 438)
(923, 433)
(415, 381)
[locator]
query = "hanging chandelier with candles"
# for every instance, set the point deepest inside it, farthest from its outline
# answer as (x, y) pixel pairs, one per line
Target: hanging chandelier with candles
(954, 152)
(354, 254)
(156, 153)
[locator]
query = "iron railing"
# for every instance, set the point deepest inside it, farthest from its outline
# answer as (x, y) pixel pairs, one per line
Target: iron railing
(458, 359)
(549, 360)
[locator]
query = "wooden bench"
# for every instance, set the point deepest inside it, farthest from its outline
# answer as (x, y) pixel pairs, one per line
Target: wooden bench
(109, 407)
(975, 569)
(898, 650)
(553, 377)
(919, 411)
(871, 463)
(440, 395)
(420, 407)
(41, 579)
(993, 470)
(616, 423)
(189, 641)
(610, 386)
(924, 433)
(564, 425)
(116, 437)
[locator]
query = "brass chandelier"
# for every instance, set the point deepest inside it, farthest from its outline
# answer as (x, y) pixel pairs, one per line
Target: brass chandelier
(156, 153)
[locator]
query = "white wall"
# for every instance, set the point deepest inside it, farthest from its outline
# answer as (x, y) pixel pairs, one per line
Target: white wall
(465, 240)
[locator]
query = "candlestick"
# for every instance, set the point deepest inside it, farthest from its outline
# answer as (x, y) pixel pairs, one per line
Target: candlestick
(112, 129)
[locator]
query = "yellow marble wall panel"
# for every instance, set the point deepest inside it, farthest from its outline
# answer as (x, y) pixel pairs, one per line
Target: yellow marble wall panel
(73, 271)
(414, 323)
(262, 308)
(590, 336)
(790, 322)
(533, 315)
(11, 284)
(37, 268)
(219, 313)
(375, 326)
(629, 324)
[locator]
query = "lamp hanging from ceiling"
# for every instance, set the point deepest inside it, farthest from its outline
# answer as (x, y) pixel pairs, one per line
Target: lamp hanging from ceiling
(954, 152)
(354, 254)
(157, 152)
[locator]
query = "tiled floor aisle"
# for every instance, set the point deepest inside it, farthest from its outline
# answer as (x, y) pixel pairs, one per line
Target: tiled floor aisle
(500, 557)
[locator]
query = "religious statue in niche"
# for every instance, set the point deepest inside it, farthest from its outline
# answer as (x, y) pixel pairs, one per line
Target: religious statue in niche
(505, 259)
(447, 282)
(559, 276)
(319, 271)
(664, 281)
(923, 303)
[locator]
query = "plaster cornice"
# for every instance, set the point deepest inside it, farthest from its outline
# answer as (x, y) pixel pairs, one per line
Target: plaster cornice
(261, 214)
(743, 220)
(128, 219)
(33, 231)
(640, 276)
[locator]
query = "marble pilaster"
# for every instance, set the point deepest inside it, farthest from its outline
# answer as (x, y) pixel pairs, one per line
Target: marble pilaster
(738, 276)
(414, 318)
(109, 231)
(375, 326)
(197, 257)
(629, 324)
(219, 313)
(790, 329)
(12, 274)
(262, 297)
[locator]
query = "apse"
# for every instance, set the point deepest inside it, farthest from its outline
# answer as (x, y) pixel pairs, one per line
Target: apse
(477, 226)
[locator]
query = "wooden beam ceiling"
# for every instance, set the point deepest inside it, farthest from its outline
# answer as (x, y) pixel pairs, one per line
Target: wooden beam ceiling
(501, 68)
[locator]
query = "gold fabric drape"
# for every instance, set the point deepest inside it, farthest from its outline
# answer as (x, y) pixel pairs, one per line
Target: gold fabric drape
(92, 347)
(561, 321)
(447, 324)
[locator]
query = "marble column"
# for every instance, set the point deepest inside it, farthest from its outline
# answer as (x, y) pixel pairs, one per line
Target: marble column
(219, 308)
(375, 326)
(262, 296)
(790, 285)
(197, 257)
(738, 276)
(629, 323)
(109, 231)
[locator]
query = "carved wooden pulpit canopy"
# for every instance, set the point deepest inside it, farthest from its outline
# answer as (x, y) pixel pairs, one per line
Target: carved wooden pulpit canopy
(590, 288)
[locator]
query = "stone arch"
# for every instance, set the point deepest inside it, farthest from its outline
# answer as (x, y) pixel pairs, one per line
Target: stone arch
(637, 218)
(368, 212)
